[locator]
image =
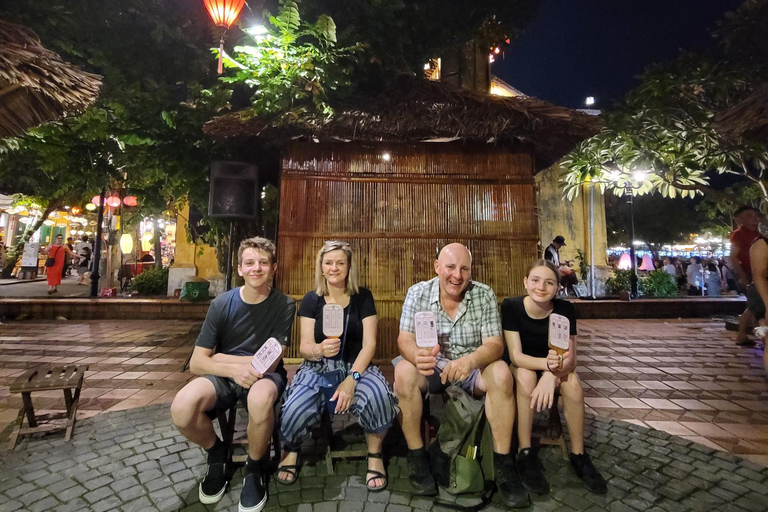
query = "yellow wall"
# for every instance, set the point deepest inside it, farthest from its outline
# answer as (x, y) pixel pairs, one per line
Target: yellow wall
(201, 258)
(559, 216)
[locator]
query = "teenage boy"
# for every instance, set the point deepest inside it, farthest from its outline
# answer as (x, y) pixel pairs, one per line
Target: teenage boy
(236, 326)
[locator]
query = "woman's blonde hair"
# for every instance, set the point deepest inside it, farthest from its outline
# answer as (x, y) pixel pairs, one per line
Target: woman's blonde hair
(321, 286)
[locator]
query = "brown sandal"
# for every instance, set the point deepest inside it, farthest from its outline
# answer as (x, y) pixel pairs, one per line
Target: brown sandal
(376, 475)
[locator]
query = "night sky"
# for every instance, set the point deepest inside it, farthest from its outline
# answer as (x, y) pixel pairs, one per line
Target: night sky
(578, 48)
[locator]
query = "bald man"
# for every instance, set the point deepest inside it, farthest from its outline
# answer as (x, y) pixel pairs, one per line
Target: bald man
(468, 354)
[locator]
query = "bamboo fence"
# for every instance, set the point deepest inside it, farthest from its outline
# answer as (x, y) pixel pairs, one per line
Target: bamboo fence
(397, 205)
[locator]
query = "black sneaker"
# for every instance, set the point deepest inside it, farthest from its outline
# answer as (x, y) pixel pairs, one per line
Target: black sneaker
(421, 479)
(512, 491)
(214, 484)
(588, 473)
(253, 497)
(529, 469)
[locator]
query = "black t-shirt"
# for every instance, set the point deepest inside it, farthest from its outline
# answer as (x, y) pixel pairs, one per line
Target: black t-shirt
(534, 334)
(234, 327)
(361, 305)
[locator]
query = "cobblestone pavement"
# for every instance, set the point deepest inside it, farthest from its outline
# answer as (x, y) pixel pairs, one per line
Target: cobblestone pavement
(134, 460)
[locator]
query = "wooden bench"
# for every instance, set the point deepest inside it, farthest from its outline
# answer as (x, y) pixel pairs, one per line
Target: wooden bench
(69, 379)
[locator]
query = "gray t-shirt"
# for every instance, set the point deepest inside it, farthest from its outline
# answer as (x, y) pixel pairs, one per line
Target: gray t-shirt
(234, 327)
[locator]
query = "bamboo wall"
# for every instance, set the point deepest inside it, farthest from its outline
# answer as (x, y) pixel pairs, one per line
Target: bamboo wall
(397, 204)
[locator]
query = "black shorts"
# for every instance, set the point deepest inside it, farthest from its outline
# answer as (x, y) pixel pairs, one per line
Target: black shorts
(755, 302)
(228, 392)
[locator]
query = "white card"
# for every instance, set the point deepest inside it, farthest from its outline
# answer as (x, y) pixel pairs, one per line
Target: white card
(333, 320)
(266, 356)
(559, 331)
(426, 329)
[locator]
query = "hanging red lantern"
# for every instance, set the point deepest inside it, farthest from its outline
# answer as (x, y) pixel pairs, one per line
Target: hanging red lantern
(113, 201)
(75, 210)
(223, 13)
(130, 201)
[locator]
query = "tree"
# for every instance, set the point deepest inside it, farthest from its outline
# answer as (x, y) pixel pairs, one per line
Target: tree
(145, 131)
(664, 134)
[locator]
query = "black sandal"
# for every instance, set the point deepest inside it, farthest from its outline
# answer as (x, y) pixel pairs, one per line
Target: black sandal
(292, 470)
(376, 475)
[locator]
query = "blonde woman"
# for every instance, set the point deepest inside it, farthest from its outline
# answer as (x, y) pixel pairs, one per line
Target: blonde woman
(364, 392)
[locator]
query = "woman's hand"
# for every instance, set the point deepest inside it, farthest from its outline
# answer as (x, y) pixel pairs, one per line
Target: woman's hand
(344, 394)
(330, 347)
(544, 393)
(554, 361)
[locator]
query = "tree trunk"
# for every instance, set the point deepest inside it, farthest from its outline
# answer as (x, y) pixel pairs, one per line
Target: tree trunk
(13, 254)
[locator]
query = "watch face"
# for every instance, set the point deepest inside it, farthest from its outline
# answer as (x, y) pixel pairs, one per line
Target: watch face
(356, 375)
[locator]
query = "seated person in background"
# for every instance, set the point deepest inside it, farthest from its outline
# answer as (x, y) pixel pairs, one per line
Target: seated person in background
(468, 354)
(238, 323)
(364, 391)
(539, 371)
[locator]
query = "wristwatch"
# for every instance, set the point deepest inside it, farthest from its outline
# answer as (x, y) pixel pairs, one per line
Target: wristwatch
(356, 376)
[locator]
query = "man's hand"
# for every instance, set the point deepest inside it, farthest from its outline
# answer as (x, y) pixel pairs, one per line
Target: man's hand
(344, 394)
(426, 358)
(458, 369)
(245, 375)
(544, 393)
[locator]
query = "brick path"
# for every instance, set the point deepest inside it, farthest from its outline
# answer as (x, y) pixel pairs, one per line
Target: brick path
(681, 377)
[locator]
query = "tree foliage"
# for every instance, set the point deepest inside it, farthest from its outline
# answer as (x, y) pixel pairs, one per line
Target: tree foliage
(666, 127)
(293, 65)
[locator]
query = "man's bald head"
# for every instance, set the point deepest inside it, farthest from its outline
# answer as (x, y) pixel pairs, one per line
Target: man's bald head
(454, 270)
(455, 249)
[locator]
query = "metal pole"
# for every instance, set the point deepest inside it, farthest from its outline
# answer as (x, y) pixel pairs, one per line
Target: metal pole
(95, 274)
(230, 253)
(633, 277)
(592, 242)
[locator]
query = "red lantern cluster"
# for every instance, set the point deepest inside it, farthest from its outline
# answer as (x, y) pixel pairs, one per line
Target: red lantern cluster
(113, 201)
(130, 201)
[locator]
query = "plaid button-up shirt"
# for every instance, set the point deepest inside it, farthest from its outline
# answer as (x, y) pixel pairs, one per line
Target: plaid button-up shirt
(477, 318)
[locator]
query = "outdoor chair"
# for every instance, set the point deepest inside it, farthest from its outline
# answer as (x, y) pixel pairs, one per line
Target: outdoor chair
(234, 438)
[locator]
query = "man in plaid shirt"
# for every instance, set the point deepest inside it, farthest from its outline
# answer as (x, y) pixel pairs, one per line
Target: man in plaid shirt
(468, 354)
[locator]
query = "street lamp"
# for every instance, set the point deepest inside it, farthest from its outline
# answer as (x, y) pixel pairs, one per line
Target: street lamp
(629, 191)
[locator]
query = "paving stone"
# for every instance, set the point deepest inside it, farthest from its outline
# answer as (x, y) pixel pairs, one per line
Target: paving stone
(98, 482)
(71, 493)
(76, 505)
(32, 496)
(325, 506)
(98, 494)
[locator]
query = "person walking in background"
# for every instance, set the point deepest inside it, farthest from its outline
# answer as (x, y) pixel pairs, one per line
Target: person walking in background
(58, 251)
(742, 238)
(67, 270)
(695, 276)
(757, 295)
(83, 267)
(669, 268)
(714, 278)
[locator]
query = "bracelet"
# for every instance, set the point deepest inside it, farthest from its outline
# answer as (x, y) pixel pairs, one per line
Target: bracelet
(548, 368)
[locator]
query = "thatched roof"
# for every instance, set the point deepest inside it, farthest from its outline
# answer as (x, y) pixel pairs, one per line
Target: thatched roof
(747, 119)
(36, 86)
(409, 109)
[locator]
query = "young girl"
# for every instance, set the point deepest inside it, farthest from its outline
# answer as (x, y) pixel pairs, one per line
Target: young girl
(538, 371)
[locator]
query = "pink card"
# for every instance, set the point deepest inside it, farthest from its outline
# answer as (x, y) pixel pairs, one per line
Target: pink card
(266, 356)
(333, 320)
(559, 331)
(426, 329)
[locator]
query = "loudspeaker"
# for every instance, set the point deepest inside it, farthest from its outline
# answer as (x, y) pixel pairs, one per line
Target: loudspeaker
(234, 190)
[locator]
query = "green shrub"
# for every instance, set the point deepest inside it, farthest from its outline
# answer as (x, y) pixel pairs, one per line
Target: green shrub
(620, 281)
(658, 284)
(153, 281)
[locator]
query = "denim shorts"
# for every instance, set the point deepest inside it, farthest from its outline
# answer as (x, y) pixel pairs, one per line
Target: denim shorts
(435, 385)
(228, 392)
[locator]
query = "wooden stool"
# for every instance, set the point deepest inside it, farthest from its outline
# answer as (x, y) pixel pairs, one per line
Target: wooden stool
(46, 378)
(227, 425)
(552, 434)
(326, 425)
